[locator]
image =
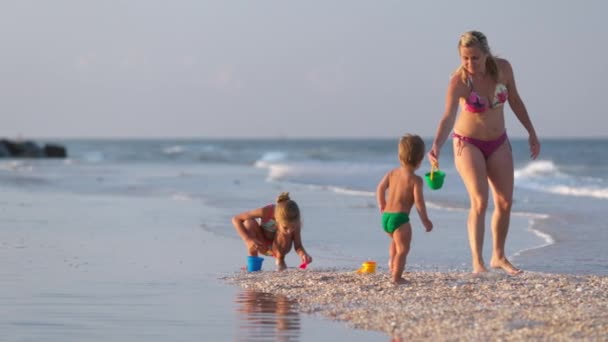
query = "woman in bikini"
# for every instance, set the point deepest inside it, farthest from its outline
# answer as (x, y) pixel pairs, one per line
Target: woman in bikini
(482, 152)
(272, 229)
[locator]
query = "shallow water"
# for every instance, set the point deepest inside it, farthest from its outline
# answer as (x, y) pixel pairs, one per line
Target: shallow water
(108, 247)
(262, 316)
(100, 268)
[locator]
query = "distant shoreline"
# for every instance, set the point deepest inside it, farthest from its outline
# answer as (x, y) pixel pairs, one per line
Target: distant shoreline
(30, 149)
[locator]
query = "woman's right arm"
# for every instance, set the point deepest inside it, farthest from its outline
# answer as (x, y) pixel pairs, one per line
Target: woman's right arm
(455, 91)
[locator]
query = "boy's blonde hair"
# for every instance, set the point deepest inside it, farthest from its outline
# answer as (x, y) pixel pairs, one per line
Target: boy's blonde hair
(286, 210)
(411, 150)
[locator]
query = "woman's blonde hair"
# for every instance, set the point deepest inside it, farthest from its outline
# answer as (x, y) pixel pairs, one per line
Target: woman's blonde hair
(286, 210)
(411, 150)
(479, 40)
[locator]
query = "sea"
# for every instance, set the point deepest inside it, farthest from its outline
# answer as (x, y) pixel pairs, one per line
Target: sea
(129, 239)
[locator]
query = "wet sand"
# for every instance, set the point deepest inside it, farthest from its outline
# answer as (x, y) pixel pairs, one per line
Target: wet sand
(447, 305)
(126, 268)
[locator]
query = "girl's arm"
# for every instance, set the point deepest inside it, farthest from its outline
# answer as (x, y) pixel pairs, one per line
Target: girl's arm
(518, 107)
(238, 223)
(420, 204)
(297, 244)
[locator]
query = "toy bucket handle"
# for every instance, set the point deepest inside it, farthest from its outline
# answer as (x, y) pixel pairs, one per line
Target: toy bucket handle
(434, 167)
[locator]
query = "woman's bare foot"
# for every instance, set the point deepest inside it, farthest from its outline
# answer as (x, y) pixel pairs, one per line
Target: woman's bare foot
(505, 265)
(281, 266)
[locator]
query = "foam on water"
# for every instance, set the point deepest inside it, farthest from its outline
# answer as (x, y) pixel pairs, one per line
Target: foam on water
(545, 176)
(175, 149)
(16, 166)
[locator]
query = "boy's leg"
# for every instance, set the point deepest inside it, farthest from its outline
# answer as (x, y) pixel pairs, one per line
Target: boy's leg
(280, 247)
(402, 238)
(391, 253)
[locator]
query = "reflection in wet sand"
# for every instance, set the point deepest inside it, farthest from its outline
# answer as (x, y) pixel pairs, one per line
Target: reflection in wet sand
(266, 317)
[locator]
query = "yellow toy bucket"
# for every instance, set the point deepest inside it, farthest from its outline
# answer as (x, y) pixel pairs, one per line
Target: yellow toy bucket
(435, 178)
(367, 267)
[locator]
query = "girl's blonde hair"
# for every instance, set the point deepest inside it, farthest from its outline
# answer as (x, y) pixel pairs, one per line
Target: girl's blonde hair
(286, 210)
(411, 150)
(479, 40)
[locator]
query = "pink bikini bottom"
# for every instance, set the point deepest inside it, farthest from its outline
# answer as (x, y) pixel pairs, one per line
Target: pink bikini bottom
(487, 147)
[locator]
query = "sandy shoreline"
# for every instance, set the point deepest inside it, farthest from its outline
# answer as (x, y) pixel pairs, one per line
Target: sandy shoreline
(448, 306)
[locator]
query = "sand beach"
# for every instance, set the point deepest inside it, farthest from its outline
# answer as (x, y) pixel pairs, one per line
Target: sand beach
(448, 306)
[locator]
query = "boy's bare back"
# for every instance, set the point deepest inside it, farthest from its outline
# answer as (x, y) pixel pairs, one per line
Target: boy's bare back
(401, 185)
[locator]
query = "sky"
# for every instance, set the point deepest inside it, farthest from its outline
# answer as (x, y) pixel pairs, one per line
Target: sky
(289, 69)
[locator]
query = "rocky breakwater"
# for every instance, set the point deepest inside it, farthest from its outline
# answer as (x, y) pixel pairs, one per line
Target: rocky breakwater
(30, 149)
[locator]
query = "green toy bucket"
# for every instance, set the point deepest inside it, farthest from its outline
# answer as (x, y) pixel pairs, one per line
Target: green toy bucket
(434, 178)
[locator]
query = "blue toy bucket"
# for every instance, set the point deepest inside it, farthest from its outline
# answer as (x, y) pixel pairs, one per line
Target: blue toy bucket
(254, 263)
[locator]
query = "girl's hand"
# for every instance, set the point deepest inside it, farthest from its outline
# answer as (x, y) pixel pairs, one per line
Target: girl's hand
(265, 250)
(306, 259)
(254, 245)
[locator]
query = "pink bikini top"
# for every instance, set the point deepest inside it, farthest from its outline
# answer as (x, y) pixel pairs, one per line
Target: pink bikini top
(477, 104)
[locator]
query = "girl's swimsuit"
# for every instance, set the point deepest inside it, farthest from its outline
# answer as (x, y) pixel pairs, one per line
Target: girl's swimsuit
(477, 104)
(268, 223)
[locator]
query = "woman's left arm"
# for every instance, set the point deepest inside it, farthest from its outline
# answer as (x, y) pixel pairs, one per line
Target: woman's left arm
(518, 107)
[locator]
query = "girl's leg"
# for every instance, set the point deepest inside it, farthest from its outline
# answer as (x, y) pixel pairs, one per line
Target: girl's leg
(280, 247)
(255, 232)
(402, 238)
(471, 166)
(500, 173)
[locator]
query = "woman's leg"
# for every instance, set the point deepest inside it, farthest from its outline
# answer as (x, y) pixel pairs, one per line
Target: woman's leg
(471, 166)
(500, 174)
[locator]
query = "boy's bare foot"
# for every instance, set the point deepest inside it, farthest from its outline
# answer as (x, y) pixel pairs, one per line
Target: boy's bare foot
(479, 268)
(505, 265)
(400, 281)
(281, 266)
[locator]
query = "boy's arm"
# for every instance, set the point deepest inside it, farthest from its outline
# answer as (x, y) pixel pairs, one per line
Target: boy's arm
(420, 205)
(380, 192)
